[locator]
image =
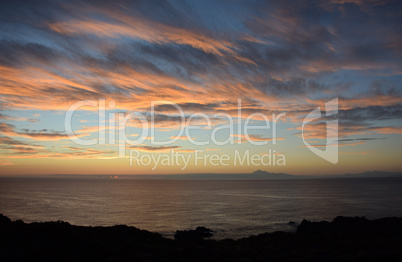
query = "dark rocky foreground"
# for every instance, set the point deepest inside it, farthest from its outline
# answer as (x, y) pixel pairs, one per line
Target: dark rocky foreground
(343, 239)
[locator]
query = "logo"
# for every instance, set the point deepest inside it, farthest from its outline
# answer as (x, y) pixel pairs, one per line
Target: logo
(330, 153)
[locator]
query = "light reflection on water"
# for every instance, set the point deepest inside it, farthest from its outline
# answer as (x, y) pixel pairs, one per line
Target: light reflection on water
(232, 208)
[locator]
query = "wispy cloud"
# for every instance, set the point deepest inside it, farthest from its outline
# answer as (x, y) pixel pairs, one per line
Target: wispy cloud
(277, 56)
(154, 148)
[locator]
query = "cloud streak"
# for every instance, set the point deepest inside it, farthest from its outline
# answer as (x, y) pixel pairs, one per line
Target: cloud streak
(276, 56)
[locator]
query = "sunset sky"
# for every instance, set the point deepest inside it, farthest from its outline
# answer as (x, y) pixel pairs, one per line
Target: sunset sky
(274, 57)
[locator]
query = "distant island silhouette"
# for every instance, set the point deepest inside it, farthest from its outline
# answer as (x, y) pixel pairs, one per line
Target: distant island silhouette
(343, 239)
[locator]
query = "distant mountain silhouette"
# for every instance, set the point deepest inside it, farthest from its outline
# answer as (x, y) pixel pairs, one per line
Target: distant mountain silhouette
(267, 175)
(261, 175)
(256, 175)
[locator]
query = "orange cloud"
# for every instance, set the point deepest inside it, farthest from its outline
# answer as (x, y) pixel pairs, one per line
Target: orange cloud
(154, 148)
(142, 28)
(9, 130)
(342, 144)
(256, 138)
(387, 130)
(84, 154)
(185, 151)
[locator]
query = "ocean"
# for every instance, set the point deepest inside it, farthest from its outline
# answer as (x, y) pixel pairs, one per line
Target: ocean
(232, 208)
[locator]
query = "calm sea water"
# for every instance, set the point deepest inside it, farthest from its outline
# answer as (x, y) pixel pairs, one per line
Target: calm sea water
(232, 208)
